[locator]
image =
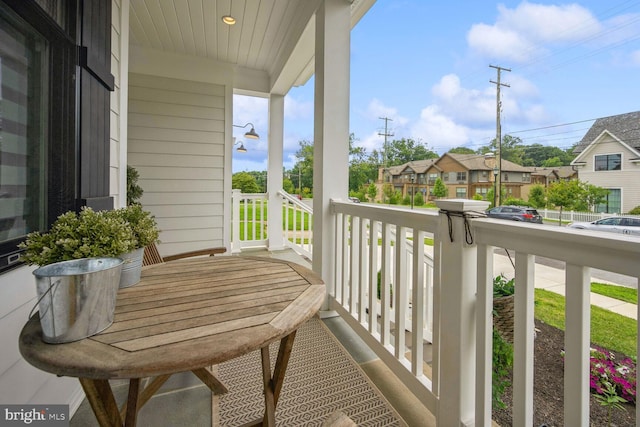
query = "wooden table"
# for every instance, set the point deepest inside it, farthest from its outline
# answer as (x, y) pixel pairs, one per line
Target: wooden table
(186, 316)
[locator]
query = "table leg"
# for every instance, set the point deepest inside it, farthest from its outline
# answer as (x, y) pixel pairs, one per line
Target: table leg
(273, 384)
(102, 401)
(132, 403)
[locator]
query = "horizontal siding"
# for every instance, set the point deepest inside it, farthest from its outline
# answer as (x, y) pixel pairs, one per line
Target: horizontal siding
(176, 142)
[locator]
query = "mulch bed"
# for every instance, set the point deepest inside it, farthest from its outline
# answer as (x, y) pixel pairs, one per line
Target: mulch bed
(548, 403)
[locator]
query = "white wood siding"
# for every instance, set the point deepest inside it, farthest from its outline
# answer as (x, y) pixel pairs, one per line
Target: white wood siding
(627, 179)
(176, 136)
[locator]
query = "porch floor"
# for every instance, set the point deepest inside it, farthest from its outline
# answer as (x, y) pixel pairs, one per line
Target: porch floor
(185, 401)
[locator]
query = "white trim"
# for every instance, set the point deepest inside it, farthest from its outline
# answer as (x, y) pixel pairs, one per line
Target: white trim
(596, 141)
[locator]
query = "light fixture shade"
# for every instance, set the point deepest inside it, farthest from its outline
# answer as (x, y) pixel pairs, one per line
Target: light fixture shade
(228, 19)
(252, 134)
(241, 149)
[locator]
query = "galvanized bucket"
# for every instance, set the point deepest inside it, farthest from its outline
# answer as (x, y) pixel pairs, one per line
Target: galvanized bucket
(77, 298)
(132, 268)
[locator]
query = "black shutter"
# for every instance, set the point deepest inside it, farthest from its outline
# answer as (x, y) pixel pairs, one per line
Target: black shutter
(96, 82)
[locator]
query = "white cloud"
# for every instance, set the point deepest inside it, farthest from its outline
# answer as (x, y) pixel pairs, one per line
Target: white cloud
(439, 131)
(297, 110)
(525, 32)
(377, 109)
(635, 58)
(466, 105)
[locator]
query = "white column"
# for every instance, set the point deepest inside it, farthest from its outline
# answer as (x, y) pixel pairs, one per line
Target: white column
(331, 127)
(457, 257)
(274, 172)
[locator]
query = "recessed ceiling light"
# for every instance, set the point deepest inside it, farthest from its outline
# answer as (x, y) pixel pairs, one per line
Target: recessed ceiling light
(228, 19)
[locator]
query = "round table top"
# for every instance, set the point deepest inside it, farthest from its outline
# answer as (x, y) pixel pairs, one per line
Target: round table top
(185, 315)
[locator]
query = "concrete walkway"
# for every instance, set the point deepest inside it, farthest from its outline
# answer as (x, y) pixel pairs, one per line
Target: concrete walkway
(553, 279)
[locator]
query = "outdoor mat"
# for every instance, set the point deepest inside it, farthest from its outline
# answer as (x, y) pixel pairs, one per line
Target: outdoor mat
(321, 378)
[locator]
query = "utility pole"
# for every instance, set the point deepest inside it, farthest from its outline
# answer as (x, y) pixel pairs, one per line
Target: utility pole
(498, 190)
(386, 133)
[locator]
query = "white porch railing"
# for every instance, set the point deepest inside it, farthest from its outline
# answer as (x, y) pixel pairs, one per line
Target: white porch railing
(249, 222)
(298, 224)
(458, 391)
(455, 293)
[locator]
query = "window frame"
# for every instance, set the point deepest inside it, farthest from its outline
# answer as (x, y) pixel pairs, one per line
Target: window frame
(607, 161)
(60, 137)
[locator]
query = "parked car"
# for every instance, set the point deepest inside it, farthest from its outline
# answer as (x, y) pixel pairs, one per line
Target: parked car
(354, 199)
(515, 213)
(615, 224)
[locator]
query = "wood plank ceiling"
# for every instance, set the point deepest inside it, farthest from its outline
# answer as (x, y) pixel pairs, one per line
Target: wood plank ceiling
(264, 29)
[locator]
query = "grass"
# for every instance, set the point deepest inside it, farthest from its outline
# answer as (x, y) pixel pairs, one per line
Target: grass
(621, 293)
(550, 307)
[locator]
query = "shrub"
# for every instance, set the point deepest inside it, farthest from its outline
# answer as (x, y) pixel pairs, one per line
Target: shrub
(635, 211)
(512, 201)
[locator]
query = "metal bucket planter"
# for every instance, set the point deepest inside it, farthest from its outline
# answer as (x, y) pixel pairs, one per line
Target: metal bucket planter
(131, 268)
(77, 299)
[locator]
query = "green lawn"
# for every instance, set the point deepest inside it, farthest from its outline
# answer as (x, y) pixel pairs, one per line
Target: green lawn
(549, 307)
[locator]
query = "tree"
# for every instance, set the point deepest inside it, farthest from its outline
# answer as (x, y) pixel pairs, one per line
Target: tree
(594, 195)
(418, 200)
(372, 192)
(405, 150)
(552, 162)
(387, 192)
(537, 197)
(511, 149)
(439, 189)
(564, 194)
(361, 169)
(245, 182)
(462, 150)
(287, 185)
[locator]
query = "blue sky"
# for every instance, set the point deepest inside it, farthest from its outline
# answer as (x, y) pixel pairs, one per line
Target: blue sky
(426, 66)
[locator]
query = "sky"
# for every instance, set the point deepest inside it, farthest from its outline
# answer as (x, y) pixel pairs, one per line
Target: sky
(426, 65)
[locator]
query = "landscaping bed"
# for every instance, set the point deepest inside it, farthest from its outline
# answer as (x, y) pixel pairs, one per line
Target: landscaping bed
(548, 403)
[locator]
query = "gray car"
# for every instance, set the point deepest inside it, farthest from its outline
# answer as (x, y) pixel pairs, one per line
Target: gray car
(615, 224)
(515, 213)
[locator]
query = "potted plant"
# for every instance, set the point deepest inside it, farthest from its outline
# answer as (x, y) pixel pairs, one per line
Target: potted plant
(87, 234)
(79, 272)
(503, 306)
(145, 232)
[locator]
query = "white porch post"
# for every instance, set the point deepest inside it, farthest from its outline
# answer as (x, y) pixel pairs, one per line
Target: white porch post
(274, 172)
(457, 258)
(331, 127)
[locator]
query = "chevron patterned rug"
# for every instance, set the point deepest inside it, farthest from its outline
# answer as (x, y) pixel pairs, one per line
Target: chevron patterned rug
(321, 378)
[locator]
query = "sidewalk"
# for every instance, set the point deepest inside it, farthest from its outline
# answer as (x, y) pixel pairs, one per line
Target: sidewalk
(552, 279)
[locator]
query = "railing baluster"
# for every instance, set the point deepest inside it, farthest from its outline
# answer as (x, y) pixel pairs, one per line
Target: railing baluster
(484, 336)
(385, 275)
(577, 339)
(374, 228)
(362, 270)
(400, 291)
(523, 340)
(417, 310)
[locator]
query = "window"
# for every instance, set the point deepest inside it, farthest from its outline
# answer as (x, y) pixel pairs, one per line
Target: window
(461, 176)
(613, 202)
(526, 177)
(608, 162)
(23, 150)
(432, 178)
(461, 192)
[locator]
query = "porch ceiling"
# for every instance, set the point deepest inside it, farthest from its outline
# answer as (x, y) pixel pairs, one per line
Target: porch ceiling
(272, 36)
